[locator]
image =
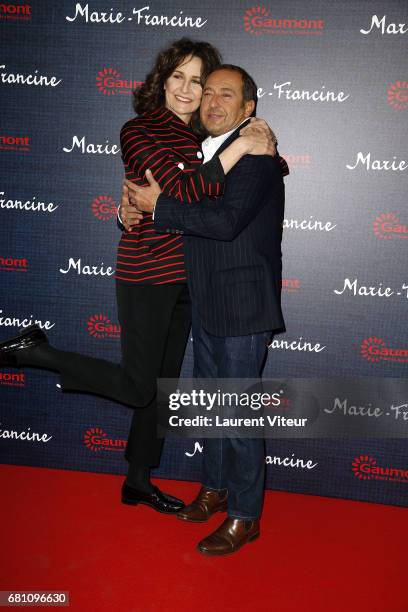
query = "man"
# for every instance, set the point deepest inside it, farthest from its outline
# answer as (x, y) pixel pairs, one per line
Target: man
(233, 258)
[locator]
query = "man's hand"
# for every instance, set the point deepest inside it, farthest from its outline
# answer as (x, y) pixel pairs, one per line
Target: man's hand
(129, 215)
(144, 198)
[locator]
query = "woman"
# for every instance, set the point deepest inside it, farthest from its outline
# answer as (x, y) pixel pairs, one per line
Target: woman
(152, 296)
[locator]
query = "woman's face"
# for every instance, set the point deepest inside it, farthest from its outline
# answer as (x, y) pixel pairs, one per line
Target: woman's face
(183, 88)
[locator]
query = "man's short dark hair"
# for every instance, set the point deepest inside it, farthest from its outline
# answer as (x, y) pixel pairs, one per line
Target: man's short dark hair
(249, 88)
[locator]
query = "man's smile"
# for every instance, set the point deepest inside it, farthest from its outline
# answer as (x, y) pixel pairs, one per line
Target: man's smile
(214, 115)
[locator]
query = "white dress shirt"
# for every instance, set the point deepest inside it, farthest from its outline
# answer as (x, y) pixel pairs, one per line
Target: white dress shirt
(211, 144)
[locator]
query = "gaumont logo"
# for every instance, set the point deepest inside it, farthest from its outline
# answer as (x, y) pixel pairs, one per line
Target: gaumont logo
(11, 78)
(258, 20)
(298, 160)
(104, 208)
(16, 12)
(290, 285)
(142, 16)
(12, 379)
(96, 440)
(387, 226)
(100, 326)
(365, 467)
(13, 264)
(110, 82)
(9, 142)
(397, 94)
(374, 349)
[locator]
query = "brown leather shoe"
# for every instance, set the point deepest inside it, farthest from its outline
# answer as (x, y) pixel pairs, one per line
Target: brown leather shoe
(229, 537)
(205, 505)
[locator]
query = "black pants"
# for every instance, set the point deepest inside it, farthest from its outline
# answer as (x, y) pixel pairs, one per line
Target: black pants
(155, 323)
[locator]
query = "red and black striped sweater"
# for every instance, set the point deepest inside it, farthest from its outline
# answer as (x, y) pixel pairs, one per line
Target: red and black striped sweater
(163, 143)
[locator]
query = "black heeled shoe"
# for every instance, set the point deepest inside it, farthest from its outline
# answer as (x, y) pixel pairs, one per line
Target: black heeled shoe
(156, 499)
(28, 338)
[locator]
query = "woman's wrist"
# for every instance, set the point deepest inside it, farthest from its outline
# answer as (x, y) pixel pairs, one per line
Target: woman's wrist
(234, 152)
(243, 145)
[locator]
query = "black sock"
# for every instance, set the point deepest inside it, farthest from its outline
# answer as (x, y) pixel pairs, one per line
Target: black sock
(138, 477)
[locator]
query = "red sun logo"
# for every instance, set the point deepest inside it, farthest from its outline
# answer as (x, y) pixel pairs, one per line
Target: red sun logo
(383, 222)
(253, 19)
(361, 467)
(89, 438)
(388, 225)
(110, 82)
(368, 345)
(100, 326)
(105, 79)
(397, 94)
(104, 208)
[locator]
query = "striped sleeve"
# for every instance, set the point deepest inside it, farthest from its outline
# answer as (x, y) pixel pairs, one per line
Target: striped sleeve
(283, 164)
(140, 152)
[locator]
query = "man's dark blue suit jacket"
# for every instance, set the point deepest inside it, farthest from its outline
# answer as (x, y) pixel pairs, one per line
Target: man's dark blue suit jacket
(233, 247)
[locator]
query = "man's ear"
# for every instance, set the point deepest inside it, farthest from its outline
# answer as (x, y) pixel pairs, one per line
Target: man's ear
(249, 108)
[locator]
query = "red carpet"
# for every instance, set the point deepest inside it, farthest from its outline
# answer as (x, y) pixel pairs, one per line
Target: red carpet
(67, 531)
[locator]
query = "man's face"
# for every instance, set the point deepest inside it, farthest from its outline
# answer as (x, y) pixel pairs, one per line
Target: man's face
(222, 106)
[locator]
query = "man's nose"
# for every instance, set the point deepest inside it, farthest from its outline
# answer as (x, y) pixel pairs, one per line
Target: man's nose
(215, 101)
(214, 106)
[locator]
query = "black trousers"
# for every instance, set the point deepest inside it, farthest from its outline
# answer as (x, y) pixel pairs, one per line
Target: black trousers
(155, 323)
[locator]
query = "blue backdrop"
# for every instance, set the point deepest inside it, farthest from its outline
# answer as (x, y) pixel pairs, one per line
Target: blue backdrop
(331, 85)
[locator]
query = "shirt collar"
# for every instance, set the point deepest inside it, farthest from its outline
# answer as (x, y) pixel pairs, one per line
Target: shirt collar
(216, 141)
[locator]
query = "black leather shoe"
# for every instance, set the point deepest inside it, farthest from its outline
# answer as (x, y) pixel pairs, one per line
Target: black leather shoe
(159, 501)
(30, 337)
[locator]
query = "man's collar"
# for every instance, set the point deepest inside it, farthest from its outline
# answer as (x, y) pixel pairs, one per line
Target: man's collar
(217, 141)
(229, 137)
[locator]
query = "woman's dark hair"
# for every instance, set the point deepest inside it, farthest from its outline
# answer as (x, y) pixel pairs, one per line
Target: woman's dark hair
(151, 95)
